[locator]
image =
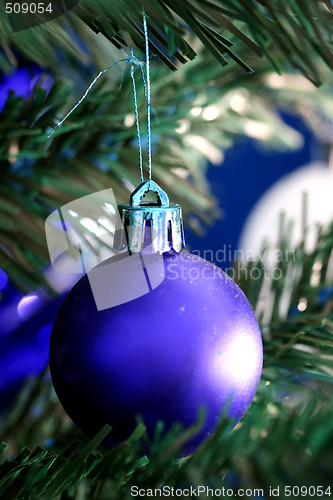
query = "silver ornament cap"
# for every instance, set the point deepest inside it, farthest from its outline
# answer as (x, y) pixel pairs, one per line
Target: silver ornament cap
(158, 222)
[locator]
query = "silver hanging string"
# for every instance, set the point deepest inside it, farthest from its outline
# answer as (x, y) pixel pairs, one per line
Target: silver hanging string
(132, 60)
(137, 118)
(148, 89)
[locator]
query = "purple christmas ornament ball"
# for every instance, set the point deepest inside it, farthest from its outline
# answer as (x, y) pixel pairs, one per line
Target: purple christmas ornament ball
(192, 341)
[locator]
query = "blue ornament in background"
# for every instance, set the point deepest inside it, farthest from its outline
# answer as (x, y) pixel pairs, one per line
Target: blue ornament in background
(22, 82)
(190, 341)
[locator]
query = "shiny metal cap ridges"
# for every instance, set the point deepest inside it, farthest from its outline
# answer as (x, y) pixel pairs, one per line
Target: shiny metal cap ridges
(164, 219)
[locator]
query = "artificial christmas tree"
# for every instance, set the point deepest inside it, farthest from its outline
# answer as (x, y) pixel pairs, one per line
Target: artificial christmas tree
(285, 439)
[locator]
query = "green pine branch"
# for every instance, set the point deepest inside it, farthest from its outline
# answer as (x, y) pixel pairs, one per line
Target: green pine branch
(297, 30)
(289, 33)
(96, 148)
(284, 439)
(37, 176)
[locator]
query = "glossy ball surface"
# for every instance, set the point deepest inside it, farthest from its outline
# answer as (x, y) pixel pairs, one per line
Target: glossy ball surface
(193, 341)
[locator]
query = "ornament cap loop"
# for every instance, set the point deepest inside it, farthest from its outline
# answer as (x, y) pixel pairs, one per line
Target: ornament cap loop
(145, 223)
(146, 187)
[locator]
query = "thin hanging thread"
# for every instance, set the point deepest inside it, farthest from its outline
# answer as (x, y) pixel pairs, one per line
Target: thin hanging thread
(148, 89)
(132, 60)
(137, 118)
(84, 95)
